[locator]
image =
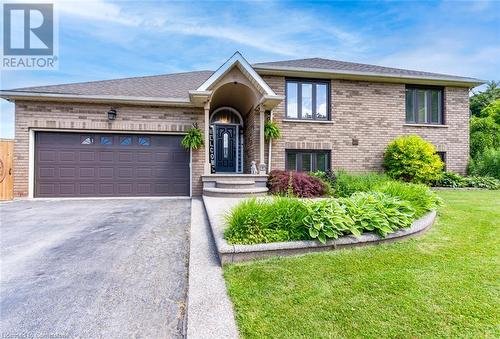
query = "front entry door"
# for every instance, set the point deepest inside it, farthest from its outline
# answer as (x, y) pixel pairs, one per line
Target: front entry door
(225, 148)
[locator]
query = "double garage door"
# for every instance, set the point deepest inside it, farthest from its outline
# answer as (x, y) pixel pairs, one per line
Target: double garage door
(107, 165)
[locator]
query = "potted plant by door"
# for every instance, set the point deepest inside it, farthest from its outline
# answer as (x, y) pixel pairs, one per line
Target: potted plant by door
(271, 132)
(193, 139)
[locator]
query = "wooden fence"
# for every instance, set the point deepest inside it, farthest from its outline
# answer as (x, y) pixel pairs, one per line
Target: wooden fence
(6, 175)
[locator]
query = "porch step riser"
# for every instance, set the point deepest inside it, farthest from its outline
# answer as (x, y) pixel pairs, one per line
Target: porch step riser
(234, 185)
(234, 181)
(235, 194)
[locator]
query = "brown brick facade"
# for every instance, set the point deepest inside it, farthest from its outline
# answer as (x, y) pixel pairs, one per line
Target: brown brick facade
(251, 146)
(374, 114)
(76, 116)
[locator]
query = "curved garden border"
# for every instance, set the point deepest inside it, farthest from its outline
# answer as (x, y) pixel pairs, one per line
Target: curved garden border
(229, 253)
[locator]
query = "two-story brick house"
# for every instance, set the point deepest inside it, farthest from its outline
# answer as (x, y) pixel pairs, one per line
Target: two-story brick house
(122, 137)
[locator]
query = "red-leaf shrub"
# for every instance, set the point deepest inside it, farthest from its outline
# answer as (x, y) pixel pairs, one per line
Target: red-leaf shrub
(299, 184)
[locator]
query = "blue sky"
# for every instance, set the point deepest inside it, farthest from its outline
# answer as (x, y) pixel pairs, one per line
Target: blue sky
(112, 39)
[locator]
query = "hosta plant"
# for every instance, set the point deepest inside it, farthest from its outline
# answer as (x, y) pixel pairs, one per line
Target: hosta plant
(378, 212)
(327, 219)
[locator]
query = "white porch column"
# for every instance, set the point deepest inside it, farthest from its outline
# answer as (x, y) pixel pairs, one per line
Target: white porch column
(207, 168)
(262, 164)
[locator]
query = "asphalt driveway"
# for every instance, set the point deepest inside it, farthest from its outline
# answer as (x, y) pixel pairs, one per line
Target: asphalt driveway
(94, 268)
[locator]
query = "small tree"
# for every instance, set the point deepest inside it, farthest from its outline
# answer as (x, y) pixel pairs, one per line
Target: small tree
(413, 159)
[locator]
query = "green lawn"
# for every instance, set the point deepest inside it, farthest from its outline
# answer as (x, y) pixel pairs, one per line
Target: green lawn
(445, 283)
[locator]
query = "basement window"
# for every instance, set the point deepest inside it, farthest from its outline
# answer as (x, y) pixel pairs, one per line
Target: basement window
(307, 160)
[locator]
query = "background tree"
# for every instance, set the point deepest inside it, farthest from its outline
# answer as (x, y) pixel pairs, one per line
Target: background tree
(479, 100)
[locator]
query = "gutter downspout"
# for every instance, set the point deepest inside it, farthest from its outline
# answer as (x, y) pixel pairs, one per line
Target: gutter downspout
(270, 146)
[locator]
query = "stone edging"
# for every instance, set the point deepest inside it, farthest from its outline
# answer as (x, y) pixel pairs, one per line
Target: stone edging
(229, 253)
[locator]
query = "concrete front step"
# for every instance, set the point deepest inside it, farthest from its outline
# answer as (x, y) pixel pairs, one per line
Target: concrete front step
(210, 180)
(234, 184)
(233, 193)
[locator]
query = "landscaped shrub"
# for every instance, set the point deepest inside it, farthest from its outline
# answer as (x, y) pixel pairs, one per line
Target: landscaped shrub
(283, 219)
(293, 183)
(419, 196)
(328, 178)
(453, 180)
(450, 179)
(412, 159)
(484, 134)
(346, 184)
(483, 182)
(378, 212)
(486, 164)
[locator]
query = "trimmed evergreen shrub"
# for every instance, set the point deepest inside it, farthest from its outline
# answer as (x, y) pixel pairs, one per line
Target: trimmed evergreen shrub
(412, 159)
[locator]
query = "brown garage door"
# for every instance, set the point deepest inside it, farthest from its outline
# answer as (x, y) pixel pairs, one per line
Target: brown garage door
(95, 165)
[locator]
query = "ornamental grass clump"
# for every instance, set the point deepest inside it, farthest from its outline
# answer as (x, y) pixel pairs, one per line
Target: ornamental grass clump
(256, 221)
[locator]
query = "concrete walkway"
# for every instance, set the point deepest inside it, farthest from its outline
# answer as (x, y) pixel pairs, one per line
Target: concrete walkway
(210, 312)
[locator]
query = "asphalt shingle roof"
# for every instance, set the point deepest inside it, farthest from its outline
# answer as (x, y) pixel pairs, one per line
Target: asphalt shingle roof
(178, 85)
(336, 65)
(157, 86)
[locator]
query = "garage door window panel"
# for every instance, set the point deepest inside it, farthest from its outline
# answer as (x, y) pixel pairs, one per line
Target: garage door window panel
(87, 140)
(106, 140)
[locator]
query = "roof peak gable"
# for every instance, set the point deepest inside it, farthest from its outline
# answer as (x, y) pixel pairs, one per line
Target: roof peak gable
(237, 60)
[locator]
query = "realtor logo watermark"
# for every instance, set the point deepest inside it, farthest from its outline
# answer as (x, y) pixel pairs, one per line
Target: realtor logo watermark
(29, 37)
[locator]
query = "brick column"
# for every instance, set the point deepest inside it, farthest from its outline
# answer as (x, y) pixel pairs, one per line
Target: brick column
(207, 169)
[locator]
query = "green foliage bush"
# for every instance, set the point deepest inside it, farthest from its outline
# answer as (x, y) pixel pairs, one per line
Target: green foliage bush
(283, 219)
(486, 164)
(346, 184)
(328, 179)
(261, 221)
(412, 159)
(327, 219)
(484, 134)
(492, 111)
(419, 196)
(489, 183)
(378, 212)
(450, 179)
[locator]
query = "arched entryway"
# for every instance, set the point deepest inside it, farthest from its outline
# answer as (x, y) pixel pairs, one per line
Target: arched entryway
(226, 140)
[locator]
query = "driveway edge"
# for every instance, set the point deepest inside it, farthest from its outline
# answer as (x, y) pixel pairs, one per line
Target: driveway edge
(209, 312)
(217, 207)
